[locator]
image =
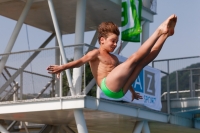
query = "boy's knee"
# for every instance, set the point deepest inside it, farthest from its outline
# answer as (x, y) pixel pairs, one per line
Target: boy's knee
(134, 59)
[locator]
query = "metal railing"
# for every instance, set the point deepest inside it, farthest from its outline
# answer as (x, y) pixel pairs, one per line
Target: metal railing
(33, 81)
(179, 78)
(183, 75)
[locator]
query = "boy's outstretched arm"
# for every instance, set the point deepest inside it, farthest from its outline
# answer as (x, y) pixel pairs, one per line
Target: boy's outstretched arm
(56, 69)
(134, 94)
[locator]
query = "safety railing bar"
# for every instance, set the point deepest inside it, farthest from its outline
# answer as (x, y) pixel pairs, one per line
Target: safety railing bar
(173, 92)
(189, 69)
(176, 58)
(40, 49)
(30, 72)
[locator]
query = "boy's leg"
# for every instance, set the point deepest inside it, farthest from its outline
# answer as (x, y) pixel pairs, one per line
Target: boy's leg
(152, 55)
(118, 77)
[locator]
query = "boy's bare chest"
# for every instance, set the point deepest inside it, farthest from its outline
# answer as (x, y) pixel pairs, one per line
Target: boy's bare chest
(108, 60)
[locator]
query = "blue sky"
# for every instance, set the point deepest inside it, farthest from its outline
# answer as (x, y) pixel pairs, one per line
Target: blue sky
(185, 41)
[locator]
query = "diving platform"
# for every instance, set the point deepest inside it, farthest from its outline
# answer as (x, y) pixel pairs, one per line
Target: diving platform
(100, 115)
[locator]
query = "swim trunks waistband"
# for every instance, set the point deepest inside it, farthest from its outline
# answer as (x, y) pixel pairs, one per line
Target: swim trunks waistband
(110, 93)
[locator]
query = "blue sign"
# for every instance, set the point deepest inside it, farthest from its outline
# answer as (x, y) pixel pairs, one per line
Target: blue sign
(138, 85)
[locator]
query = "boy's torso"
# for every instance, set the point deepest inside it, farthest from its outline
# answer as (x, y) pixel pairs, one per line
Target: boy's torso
(102, 65)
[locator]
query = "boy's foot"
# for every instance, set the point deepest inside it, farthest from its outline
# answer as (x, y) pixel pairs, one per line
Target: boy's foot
(167, 27)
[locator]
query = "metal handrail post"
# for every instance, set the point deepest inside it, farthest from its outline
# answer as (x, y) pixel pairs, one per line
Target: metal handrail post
(191, 92)
(168, 93)
(61, 80)
(15, 94)
(177, 89)
(21, 85)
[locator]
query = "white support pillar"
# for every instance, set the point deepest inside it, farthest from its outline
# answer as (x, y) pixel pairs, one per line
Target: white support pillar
(58, 35)
(145, 128)
(80, 121)
(138, 127)
(78, 53)
(79, 39)
(3, 130)
(81, 4)
(145, 31)
(15, 34)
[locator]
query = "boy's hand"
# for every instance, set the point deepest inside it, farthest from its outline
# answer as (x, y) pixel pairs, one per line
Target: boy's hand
(55, 69)
(136, 96)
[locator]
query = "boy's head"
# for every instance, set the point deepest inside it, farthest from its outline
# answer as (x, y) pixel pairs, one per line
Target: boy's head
(105, 28)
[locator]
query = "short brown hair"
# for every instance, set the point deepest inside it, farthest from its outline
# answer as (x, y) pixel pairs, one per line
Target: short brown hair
(105, 28)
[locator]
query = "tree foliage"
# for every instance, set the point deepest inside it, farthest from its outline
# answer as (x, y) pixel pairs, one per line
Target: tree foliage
(88, 77)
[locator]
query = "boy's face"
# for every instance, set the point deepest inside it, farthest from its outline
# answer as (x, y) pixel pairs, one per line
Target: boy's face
(109, 43)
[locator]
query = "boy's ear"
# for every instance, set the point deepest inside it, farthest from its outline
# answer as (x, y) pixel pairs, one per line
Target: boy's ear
(102, 40)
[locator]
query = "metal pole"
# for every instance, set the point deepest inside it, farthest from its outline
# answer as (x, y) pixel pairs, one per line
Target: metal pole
(84, 79)
(79, 38)
(15, 95)
(80, 121)
(57, 62)
(145, 33)
(153, 64)
(53, 86)
(191, 94)
(177, 89)
(138, 127)
(15, 34)
(21, 85)
(61, 80)
(2, 129)
(193, 89)
(145, 128)
(78, 53)
(58, 35)
(26, 129)
(168, 93)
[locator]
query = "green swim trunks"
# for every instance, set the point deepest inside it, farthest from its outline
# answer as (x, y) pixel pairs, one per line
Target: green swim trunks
(110, 93)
